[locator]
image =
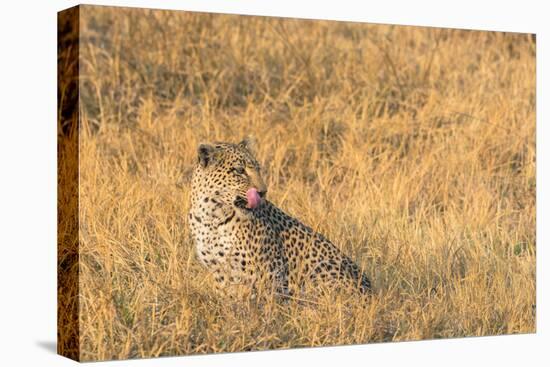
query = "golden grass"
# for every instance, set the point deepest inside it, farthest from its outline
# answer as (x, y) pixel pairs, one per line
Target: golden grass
(412, 149)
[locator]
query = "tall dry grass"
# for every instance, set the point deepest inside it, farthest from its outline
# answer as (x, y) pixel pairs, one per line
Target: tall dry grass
(412, 149)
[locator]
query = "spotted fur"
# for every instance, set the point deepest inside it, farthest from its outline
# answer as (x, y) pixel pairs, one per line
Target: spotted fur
(244, 246)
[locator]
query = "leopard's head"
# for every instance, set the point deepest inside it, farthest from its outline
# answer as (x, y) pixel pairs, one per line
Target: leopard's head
(230, 174)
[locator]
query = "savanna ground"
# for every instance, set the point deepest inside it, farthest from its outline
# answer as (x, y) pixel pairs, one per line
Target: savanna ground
(412, 149)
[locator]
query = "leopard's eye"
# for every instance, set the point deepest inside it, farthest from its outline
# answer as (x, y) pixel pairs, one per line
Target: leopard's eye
(239, 170)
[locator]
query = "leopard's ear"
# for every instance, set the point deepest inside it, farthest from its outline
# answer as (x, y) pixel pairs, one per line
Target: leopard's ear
(249, 143)
(206, 154)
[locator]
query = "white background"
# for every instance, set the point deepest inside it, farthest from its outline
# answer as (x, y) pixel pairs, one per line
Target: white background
(28, 182)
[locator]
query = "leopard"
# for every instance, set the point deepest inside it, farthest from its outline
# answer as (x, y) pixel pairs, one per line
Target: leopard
(245, 240)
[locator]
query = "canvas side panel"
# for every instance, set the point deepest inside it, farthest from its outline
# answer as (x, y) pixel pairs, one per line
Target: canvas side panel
(67, 183)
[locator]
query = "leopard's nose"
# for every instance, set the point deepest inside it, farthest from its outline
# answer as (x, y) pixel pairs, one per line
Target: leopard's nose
(262, 193)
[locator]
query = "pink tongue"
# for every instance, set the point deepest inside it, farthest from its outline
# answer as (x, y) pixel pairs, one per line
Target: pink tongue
(253, 198)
